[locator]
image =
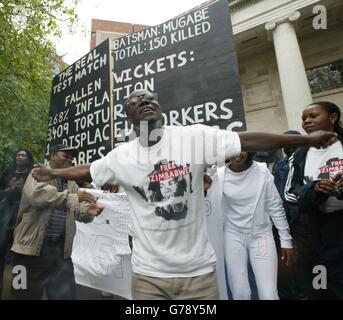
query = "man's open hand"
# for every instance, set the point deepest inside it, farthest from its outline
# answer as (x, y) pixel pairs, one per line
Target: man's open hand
(321, 138)
(41, 173)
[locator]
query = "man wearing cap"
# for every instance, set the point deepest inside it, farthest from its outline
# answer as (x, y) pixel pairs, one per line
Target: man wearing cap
(45, 229)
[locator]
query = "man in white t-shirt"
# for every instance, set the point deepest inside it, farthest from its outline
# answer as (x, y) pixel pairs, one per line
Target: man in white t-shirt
(172, 257)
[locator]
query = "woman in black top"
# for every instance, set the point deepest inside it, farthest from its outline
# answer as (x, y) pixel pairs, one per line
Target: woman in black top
(11, 186)
(315, 184)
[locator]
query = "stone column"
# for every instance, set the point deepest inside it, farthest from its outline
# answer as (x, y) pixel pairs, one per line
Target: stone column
(294, 84)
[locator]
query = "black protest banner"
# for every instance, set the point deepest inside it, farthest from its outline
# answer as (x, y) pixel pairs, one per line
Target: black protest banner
(190, 61)
(80, 106)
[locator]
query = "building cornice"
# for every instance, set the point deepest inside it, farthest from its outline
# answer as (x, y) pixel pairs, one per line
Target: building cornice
(236, 5)
(241, 23)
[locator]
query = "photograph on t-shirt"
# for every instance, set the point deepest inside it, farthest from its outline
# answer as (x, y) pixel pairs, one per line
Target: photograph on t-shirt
(167, 187)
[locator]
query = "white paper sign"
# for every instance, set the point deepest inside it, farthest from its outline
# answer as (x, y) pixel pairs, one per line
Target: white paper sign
(101, 252)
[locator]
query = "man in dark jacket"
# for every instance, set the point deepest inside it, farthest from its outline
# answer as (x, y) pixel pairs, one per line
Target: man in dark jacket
(290, 278)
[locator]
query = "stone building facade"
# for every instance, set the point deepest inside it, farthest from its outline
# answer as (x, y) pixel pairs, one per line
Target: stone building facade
(290, 53)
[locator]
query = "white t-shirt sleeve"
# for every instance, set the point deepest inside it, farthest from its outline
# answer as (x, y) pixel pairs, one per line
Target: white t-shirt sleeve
(220, 145)
(102, 172)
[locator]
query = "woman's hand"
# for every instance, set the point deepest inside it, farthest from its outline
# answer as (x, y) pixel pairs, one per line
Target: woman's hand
(287, 255)
(11, 185)
(207, 182)
(325, 186)
(338, 179)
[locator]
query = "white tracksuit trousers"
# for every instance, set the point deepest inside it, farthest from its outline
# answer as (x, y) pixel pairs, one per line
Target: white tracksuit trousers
(263, 258)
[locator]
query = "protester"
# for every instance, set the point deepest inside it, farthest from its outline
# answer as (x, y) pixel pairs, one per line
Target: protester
(172, 257)
(11, 186)
(248, 200)
(290, 278)
(213, 196)
(270, 158)
(281, 169)
(43, 236)
(315, 184)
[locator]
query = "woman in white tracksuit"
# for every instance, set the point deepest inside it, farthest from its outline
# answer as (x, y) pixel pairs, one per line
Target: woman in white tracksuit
(249, 201)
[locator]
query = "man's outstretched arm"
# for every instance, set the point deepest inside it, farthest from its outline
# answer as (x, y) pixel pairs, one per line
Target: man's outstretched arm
(253, 141)
(76, 173)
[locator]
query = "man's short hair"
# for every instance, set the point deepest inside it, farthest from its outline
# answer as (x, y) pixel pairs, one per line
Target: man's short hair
(62, 147)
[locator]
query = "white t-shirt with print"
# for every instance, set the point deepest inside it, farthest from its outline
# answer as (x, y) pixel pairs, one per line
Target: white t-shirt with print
(325, 164)
(164, 184)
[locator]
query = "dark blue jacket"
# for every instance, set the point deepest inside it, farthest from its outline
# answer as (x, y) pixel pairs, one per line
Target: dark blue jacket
(281, 171)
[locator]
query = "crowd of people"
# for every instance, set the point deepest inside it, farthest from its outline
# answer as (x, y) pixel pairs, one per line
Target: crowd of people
(172, 257)
(38, 226)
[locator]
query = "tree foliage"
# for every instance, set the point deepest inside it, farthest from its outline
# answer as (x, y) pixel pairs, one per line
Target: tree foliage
(27, 63)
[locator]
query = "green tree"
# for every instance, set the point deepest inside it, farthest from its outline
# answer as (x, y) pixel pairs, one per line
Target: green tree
(27, 63)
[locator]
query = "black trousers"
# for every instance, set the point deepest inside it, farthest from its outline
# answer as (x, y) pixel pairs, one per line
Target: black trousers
(49, 271)
(286, 281)
(321, 243)
(305, 260)
(8, 215)
(327, 232)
